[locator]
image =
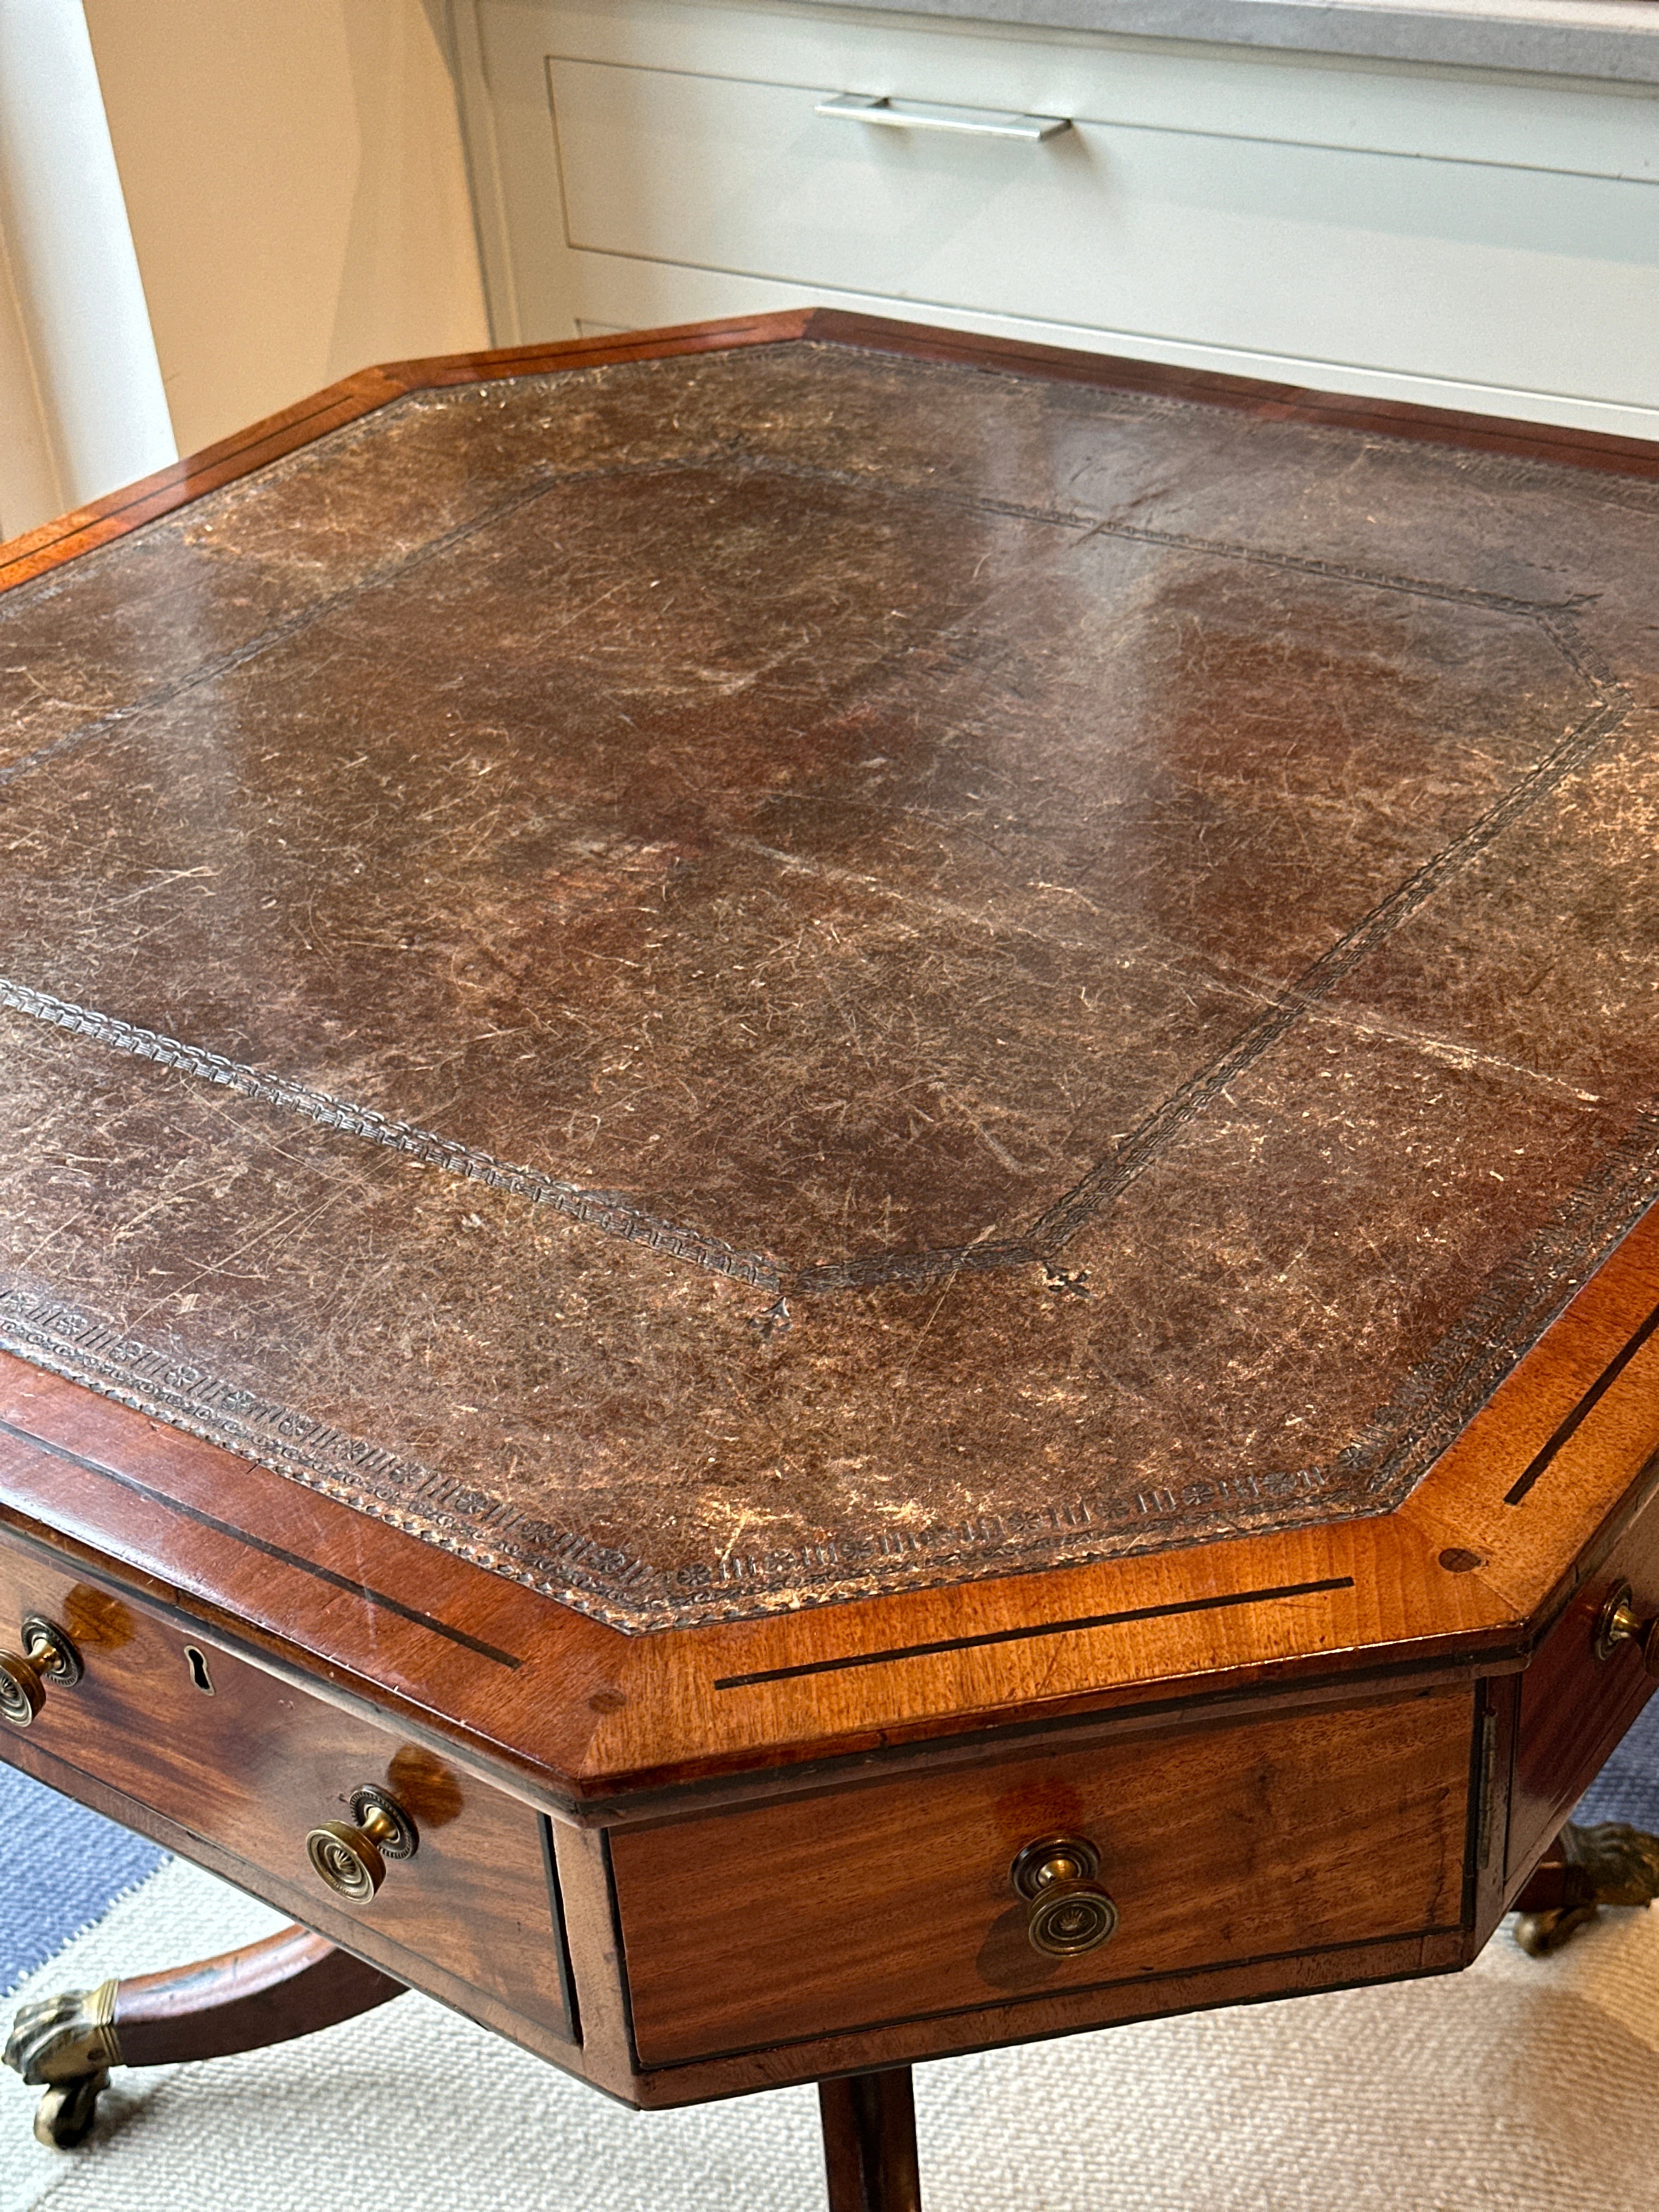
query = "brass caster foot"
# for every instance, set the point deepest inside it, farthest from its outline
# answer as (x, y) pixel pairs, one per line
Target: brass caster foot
(1540, 1933)
(67, 2044)
(1611, 1864)
(64, 2116)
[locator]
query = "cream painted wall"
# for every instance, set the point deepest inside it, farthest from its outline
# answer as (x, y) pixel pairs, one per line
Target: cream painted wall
(296, 190)
(30, 489)
(82, 409)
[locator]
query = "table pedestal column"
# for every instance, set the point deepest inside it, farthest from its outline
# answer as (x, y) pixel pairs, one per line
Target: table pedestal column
(870, 2142)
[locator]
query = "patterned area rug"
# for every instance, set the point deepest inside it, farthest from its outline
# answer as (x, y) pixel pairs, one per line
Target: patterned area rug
(1521, 2086)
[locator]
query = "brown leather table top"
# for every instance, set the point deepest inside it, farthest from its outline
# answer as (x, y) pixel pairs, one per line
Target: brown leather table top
(729, 981)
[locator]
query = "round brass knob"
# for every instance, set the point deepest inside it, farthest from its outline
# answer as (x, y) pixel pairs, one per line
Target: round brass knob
(1619, 1623)
(1067, 1911)
(351, 1860)
(47, 1656)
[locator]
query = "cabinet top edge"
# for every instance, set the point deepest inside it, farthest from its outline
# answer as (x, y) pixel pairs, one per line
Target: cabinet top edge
(1608, 41)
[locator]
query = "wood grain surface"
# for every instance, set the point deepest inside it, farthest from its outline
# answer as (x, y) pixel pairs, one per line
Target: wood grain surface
(291, 1984)
(605, 2057)
(1301, 1974)
(1574, 1706)
(301, 1902)
(891, 1901)
(252, 1764)
(870, 2142)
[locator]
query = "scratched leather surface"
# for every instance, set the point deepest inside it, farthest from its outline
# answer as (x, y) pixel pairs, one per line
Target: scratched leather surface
(730, 982)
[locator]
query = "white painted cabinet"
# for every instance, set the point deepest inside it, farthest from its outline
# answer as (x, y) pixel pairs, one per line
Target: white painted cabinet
(1463, 238)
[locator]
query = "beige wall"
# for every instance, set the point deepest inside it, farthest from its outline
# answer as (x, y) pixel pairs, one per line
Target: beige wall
(81, 405)
(297, 192)
(31, 485)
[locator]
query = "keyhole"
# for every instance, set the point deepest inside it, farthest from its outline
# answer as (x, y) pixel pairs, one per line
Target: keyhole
(198, 1670)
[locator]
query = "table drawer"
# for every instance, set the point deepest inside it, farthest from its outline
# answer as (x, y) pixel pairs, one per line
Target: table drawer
(1218, 1846)
(1576, 1706)
(249, 1763)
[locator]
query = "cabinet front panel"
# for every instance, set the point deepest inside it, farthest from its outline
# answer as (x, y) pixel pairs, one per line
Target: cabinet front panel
(1385, 229)
(1257, 245)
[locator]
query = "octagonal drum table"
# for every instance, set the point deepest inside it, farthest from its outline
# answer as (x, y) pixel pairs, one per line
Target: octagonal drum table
(825, 1171)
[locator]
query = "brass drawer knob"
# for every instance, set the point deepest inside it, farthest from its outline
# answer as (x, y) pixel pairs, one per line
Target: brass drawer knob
(47, 1656)
(351, 1860)
(1620, 1622)
(1067, 1911)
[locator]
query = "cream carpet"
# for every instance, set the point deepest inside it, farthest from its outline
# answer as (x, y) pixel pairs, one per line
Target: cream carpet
(1518, 2087)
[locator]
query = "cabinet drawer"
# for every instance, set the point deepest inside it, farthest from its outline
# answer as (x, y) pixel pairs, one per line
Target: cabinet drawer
(251, 1764)
(1575, 1707)
(1248, 243)
(894, 1901)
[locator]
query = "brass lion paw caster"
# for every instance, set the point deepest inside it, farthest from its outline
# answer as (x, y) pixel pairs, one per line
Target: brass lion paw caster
(1607, 1864)
(66, 2044)
(351, 1860)
(47, 1656)
(1067, 1911)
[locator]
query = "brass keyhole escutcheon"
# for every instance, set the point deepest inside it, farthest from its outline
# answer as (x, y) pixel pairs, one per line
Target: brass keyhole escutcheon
(47, 1655)
(1619, 1623)
(1067, 1911)
(351, 1860)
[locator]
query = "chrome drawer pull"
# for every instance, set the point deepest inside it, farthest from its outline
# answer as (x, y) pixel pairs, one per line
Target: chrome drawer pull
(47, 1656)
(918, 115)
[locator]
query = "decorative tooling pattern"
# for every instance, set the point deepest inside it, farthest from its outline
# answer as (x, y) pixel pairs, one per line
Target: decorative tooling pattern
(727, 981)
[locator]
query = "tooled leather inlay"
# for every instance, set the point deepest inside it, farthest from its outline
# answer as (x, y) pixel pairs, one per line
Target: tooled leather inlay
(731, 981)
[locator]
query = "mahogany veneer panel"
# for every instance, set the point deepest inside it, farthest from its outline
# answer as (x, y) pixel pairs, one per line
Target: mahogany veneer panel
(299, 1903)
(1575, 1707)
(253, 1766)
(892, 1901)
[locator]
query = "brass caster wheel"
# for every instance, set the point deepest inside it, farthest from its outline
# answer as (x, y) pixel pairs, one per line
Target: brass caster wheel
(1540, 1933)
(66, 2044)
(64, 2117)
(1609, 1864)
